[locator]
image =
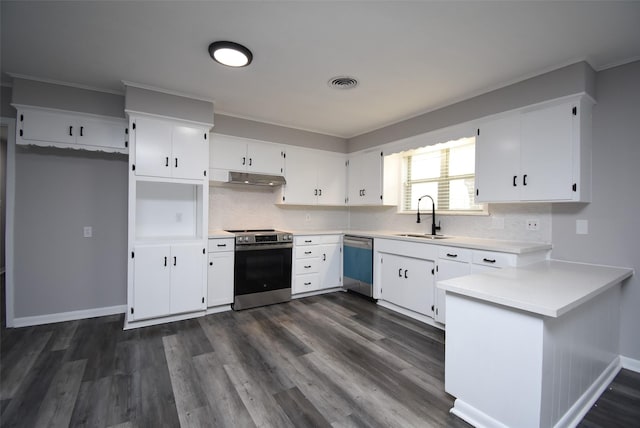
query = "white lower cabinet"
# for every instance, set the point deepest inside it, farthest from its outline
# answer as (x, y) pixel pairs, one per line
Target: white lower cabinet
(317, 263)
(220, 272)
(452, 262)
(408, 282)
(168, 279)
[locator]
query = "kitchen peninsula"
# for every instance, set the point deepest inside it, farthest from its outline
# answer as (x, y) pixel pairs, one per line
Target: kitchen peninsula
(532, 346)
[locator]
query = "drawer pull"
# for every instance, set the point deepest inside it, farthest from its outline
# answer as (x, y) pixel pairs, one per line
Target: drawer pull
(489, 260)
(308, 241)
(308, 267)
(307, 252)
(307, 283)
(452, 255)
(222, 245)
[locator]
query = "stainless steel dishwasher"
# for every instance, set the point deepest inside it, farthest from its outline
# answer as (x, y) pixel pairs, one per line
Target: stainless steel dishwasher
(358, 264)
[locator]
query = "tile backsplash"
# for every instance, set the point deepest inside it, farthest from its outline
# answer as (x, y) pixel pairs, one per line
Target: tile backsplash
(254, 207)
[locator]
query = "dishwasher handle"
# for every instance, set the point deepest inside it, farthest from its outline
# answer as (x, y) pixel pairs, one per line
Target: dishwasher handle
(358, 242)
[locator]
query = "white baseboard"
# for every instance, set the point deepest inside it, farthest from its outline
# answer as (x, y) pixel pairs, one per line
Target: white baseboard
(218, 309)
(474, 416)
(68, 316)
(128, 325)
(630, 364)
(581, 407)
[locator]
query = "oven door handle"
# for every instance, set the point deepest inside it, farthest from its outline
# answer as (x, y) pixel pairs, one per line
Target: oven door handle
(263, 247)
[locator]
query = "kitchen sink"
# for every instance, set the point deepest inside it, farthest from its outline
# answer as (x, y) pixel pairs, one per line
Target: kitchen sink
(424, 236)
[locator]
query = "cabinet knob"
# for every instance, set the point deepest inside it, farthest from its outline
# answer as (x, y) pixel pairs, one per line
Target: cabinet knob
(210, 263)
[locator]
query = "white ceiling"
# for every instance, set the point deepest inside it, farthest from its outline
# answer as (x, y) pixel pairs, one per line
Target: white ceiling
(409, 57)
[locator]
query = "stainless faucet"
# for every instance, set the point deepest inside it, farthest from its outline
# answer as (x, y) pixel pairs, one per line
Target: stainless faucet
(433, 214)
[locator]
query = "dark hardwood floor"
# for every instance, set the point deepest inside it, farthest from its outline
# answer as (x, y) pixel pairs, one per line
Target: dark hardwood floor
(333, 360)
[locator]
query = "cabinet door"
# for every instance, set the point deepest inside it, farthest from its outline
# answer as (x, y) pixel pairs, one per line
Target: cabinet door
(151, 283)
(190, 151)
(228, 153)
(220, 279)
(447, 269)
(332, 179)
(302, 178)
(498, 160)
(153, 147)
(330, 265)
(393, 285)
(264, 158)
(365, 179)
(547, 153)
(101, 133)
(418, 275)
(187, 278)
(46, 126)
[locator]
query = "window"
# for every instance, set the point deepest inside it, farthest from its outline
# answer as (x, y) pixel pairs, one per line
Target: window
(446, 172)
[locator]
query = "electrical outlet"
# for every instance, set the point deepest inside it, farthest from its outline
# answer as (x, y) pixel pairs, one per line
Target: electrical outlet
(582, 227)
(533, 224)
(87, 231)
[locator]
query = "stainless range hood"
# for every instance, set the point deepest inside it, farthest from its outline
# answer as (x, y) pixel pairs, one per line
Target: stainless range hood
(256, 179)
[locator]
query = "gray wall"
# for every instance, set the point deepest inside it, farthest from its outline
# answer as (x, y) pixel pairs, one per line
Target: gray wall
(58, 192)
(168, 105)
(614, 228)
(5, 102)
(569, 80)
(263, 131)
(34, 93)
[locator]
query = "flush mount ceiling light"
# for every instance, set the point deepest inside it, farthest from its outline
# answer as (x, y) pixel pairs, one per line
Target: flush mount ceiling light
(230, 54)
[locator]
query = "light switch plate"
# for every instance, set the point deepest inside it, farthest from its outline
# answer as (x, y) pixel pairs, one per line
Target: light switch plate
(87, 231)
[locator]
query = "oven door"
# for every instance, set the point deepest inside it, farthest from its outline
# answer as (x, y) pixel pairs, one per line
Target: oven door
(262, 267)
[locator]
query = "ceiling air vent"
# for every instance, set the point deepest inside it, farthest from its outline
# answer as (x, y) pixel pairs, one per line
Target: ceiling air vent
(343, 82)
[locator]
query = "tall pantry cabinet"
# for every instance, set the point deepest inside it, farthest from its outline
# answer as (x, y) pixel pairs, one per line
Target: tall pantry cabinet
(168, 219)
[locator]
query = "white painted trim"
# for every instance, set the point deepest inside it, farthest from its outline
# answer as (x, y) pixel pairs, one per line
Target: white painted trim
(62, 83)
(10, 204)
(473, 416)
(154, 321)
(167, 91)
(205, 126)
(120, 120)
(581, 407)
(630, 364)
(411, 314)
(69, 316)
(218, 309)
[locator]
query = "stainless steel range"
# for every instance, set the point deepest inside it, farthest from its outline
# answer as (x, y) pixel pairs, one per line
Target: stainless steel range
(262, 267)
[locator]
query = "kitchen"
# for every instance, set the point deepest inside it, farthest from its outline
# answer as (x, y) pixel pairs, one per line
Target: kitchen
(611, 238)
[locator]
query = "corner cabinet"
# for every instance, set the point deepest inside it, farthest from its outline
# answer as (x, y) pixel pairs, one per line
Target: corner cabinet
(168, 218)
(365, 178)
(70, 130)
(542, 153)
(314, 177)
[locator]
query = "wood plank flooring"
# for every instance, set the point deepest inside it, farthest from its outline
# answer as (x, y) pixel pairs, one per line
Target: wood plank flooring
(333, 360)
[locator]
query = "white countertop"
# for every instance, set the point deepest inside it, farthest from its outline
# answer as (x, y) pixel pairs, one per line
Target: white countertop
(550, 288)
(513, 247)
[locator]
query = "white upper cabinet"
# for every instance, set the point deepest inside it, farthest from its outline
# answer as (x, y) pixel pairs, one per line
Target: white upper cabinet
(364, 178)
(241, 154)
(169, 149)
(537, 154)
(42, 127)
(314, 177)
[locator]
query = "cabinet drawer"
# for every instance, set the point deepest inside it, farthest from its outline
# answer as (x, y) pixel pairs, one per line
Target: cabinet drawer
(221, 244)
(454, 253)
(498, 260)
(305, 283)
(306, 240)
(306, 252)
(304, 266)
